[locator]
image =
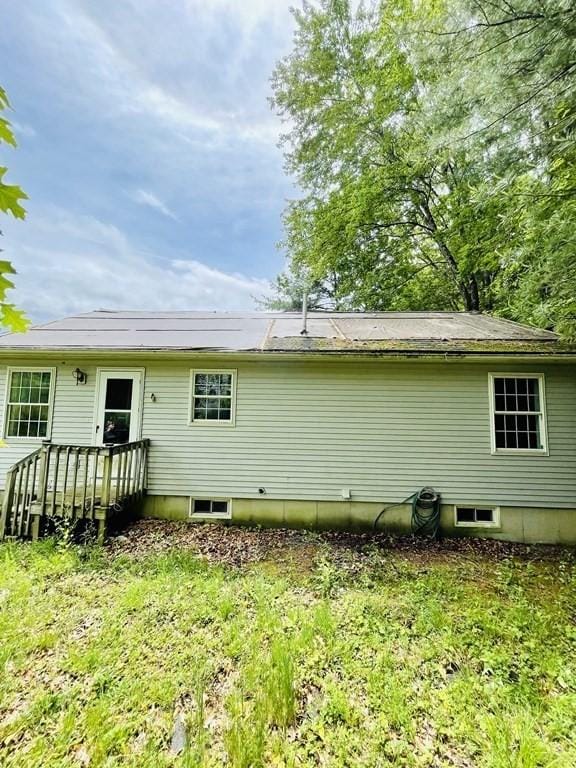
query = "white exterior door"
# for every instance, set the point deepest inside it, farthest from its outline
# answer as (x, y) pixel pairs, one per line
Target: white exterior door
(118, 417)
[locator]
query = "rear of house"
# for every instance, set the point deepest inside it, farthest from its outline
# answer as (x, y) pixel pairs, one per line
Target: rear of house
(248, 419)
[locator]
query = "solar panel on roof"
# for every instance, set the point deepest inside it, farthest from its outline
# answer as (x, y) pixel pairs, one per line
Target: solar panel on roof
(276, 330)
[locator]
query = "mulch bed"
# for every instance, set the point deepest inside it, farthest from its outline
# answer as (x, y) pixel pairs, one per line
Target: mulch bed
(239, 545)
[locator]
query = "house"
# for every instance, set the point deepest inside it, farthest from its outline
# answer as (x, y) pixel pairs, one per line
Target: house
(251, 417)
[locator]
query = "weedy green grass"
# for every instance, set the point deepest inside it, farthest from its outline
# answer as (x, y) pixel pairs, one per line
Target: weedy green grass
(383, 659)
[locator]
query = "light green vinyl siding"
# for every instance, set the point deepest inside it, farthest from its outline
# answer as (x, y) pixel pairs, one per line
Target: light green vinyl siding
(308, 429)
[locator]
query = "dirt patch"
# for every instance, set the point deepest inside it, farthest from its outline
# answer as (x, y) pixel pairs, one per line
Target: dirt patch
(239, 545)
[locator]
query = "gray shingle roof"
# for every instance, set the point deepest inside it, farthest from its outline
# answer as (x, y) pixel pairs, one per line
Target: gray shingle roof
(281, 331)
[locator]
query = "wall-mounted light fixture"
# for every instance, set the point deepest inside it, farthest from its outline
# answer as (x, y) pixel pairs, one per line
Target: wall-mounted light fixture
(80, 376)
(153, 397)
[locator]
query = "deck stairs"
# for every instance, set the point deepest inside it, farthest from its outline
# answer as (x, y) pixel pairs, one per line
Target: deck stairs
(72, 482)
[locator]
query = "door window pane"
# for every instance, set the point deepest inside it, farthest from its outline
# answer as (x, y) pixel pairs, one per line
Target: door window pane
(116, 426)
(119, 394)
(118, 410)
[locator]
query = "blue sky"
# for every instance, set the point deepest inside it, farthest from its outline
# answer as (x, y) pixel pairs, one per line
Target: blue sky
(148, 150)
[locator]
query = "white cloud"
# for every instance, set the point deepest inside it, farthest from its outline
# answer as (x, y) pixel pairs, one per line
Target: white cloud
(68, 264)
(175, 65)
(143, 197)
(163, 104)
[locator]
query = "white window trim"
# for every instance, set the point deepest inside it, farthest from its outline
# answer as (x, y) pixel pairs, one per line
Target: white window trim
(32, 369)
(543, 418)
(207, 516)
(209, 422)
(495, 523)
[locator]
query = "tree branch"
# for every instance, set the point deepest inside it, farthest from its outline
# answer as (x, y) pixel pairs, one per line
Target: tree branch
(521, 104)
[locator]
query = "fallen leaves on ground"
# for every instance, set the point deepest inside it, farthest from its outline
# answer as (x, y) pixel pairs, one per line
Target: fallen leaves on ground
(241, 545)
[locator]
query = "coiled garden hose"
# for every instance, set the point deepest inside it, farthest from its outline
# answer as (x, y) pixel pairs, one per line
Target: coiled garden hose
(425, 512)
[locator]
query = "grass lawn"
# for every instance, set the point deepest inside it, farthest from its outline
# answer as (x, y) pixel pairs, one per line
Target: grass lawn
(281, 649)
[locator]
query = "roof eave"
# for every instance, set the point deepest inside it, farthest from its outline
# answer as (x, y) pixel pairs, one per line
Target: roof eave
(563, 355)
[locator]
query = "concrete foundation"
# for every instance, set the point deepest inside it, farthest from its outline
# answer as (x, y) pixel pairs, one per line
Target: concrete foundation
(528, 525)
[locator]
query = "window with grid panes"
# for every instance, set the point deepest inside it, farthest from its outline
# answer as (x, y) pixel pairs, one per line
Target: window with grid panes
(518, 413)
(210, 508)
(212, 396)
(28, 404)
(476, 516)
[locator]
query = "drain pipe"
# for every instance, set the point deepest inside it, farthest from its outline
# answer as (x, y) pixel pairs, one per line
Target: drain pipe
(304, 331)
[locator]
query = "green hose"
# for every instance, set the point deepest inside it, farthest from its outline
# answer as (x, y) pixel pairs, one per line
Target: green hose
(425, 512)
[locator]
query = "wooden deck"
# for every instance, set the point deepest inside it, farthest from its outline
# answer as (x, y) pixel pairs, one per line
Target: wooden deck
(72, 482)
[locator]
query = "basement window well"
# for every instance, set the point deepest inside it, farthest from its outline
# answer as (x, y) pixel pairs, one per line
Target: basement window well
(477, 517)
(218, 509)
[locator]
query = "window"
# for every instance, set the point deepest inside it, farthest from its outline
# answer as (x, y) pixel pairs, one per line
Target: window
(28, 403)
(518, 413)
(117, 410)
(217, 508)
(213, 394)
(477, 517)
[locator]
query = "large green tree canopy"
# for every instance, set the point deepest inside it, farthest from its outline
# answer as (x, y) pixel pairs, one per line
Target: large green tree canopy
(434, 144)
(10, 197)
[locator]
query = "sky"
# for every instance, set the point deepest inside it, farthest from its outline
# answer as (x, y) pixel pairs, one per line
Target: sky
(148, 150)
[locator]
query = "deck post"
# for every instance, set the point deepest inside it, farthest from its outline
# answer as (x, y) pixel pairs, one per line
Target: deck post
(101, 532)
(106, 478)
(7, 502)
(107, 455)
(35, 527)
(43, 477)
(44, 471)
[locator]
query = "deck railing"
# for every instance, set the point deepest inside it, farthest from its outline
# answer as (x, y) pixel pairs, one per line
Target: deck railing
(72, 482)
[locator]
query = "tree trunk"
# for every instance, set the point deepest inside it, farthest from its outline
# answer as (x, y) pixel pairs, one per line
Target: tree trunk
(468, 292)
(474, 295)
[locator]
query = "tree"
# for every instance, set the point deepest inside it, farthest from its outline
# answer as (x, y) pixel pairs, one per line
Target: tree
(10, 197)
(507, 72)
(419, 192)
(508, 81)
(400, 222)
(291, 287)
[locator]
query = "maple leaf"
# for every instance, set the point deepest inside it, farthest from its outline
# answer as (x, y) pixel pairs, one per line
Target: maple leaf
(5, 284)
(4, 103)
(13, 318)
(9, 198)
(6, 133)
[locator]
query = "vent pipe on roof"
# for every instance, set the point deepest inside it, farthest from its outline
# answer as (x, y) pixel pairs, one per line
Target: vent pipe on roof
(304, 331)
